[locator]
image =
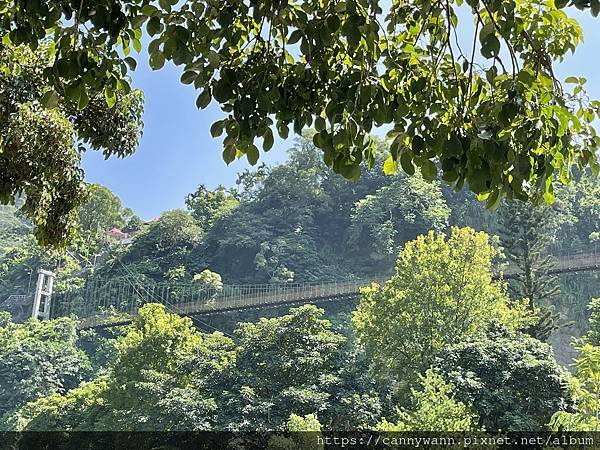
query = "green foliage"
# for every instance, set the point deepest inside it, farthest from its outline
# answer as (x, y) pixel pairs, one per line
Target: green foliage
(593, 335)
(175, 231)
(165, 376)
(296, 364)
(397, 213)
(100, 347)
(586, 207)
(584, 390)
(268, 260)
(525, 233)
(284, 364)
(75, 410)
(102, 210)
(306, 423)
(511, 379)
(13, 228)
(156, 341)
(304, 431)
(295, 221)
(209, 206)
(442, 293)
(18, 267)
(208, 280)
(39, 158)
(168, 376)
(435, 409)
(497, 119)
(164, 244)
(38, 359)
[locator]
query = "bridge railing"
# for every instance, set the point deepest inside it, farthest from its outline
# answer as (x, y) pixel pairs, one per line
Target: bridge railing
(559, 250)
(125, 296)
(115, 297)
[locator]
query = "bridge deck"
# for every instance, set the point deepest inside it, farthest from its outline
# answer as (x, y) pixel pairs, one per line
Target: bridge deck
(284, 296)
(305, 293)
(105, 303)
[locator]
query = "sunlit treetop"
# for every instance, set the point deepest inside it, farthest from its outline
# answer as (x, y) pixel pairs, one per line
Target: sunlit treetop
(488, 114)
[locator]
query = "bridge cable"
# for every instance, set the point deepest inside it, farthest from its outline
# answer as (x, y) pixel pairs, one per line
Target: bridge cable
(167, 303)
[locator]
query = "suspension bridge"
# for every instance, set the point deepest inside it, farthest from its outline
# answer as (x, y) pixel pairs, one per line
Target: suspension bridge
(103, 303)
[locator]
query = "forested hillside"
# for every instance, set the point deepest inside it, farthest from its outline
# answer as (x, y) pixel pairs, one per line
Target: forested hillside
(299, 222)
(344, 367)
(452, 265)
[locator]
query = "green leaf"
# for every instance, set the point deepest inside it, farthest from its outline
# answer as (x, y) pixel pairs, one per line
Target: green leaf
(111, 98)
(320, 124)
(490, 47)
(83, 98)
(154, 26)
(229, 154)
(333, 23)
(487, 30)
(73, 92)
(50, 99)
(214, 59)
(428, 170)
(123, 86)
(454, 146)
(295, 37)
(131, 62)
(203, 99)
(389, 166)
(252, 154)
(418, 144)
(222, 91)
(216, 128)
(493, 200)
(157, 60)
(188, 77)
(268, 140)
(283, 130)
(406, 163)
(148, 10)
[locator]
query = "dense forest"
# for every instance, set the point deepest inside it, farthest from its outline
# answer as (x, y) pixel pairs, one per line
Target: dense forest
(458, 230)
(443, 345)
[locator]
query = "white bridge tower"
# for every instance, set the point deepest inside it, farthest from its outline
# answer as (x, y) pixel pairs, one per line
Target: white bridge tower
(43, 295)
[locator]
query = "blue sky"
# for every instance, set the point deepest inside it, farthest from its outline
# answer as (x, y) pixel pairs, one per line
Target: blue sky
(177, 153)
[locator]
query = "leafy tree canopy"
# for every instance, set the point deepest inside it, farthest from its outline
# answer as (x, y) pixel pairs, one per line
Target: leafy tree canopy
(162, 248)
(397, 213)
(209, 206)
(584, 390)
(41, 145)
(493, 113)
(282, 364)
(435, 409)
(442, 293)
(163, 377)
(511, 379)
(38, 359)
(166, 375)
(525, 233)
(593, 334)
(303, 429)
(102, 210)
